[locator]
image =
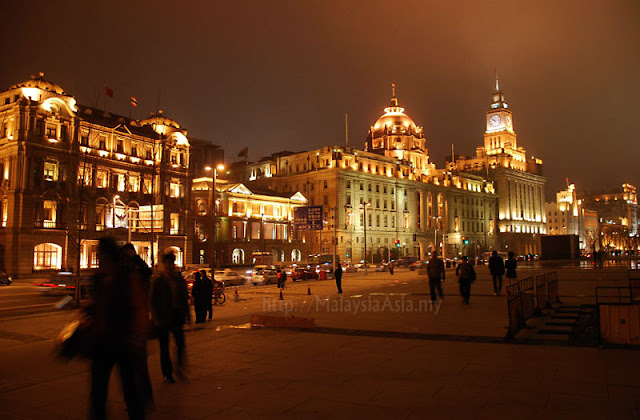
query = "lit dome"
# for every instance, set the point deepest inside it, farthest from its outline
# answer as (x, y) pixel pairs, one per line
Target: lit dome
(394, 116)
(41, 83)
(159, 119)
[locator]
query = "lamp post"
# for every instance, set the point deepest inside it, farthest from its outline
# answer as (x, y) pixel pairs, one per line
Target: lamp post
(215, 169)
(435, 232)
(364, 206)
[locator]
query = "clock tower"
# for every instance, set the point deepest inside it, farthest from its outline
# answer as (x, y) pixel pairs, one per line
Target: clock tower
(499, 134)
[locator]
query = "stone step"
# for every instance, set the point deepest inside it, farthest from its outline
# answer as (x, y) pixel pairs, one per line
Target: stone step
(560, 324)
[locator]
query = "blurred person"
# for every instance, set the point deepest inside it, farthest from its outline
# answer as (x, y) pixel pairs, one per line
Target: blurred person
(466, 276)
(141, 273)
(199, 294)
(120, 324)
(391, 268)
(496, 268)
(338, 276)
(510, 265)
(209, 292)
(282, 277)
(169, 312)
(435, 271)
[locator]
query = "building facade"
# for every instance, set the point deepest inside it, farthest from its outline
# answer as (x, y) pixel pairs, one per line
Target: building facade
(518, 180)
(565, 216)
(72, 174)
(387, 198)
(234, 222)
(618, 217)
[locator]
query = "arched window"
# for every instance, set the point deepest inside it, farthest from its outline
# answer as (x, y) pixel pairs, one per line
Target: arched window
(238, 256)
(296, 255)
(47, 256)
(202, 208)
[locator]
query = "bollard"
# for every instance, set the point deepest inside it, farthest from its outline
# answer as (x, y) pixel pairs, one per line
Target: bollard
(308, 290)
(281, 297)
(236, 296)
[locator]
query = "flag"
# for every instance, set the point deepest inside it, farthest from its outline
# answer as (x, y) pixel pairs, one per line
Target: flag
(244, 152)
(134, 101)
(108, 91)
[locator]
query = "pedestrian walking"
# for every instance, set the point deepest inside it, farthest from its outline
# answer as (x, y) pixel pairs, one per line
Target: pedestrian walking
(209, 294)
(435, 271)
(282, 277)
(496, 268)
(391, 267)
(199, 293)
(169, 312)
(120, 324)
(466, 275)
(141, 273)
(338, 276)
(510, 265)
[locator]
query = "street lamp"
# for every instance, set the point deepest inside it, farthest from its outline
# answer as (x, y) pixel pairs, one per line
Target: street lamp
(219, 167)
(364, 206)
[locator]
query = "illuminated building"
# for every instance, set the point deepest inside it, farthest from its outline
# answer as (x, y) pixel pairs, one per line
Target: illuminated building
(247, 220)
(619, 218)
(518, 180)
(72, 174)
(566, 216)
(411, 208)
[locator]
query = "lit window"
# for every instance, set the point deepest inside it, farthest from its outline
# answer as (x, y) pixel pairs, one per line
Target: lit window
(175, 224)
(102, 179)
(174, 189)
(47, 256)
(121, 182)
(51, 171)
(49, 214)
(134, 183)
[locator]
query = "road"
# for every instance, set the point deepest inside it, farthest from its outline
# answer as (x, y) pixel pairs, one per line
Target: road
(21, 298)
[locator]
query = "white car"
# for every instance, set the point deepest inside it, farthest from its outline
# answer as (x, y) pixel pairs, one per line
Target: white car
(230, 278)
(264, 276)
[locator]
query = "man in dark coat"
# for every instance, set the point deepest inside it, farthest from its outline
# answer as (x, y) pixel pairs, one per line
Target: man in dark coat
(496, 268)
(169, 312)
(435, 271)
(199, 292)
(120, 322)
(209, 294)
(510, 265)
(466, 275)
(338, 275)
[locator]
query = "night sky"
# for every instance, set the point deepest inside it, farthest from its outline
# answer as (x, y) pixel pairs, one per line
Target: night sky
(280, 75)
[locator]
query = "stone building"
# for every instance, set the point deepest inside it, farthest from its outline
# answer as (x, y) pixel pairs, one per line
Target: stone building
(518, 179)
(390, 192)
(619, 218)
(72, 173)
(246, 220)
(565, 216)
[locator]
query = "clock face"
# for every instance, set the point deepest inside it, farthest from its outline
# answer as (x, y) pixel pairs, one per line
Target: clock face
(508, 120)
(494, 121)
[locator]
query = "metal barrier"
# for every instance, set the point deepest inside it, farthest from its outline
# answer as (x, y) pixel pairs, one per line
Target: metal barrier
(552, 288)
(541, 292)
(634, 283)
(619, 315)
(527, 297)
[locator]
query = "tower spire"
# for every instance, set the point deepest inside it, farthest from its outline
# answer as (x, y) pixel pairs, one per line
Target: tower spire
(393, 90)
(497, 83)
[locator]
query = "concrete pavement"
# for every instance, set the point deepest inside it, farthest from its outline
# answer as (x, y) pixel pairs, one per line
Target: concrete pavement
(333, 371)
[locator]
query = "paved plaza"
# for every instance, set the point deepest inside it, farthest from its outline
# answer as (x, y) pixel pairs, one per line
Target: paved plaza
(370, 355)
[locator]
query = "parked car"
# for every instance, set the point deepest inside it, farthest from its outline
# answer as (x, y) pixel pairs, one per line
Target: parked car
(230, 277)
(304, 274)
(405, 261)
(382, 267)
(5, 279)
(264, 276)
(418, 265)
(349, 268)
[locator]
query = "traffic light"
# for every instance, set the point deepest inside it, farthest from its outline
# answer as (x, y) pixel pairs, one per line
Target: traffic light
(465, 240)
(397, 242)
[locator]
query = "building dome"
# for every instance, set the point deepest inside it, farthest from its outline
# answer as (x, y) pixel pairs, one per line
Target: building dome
(394, 116)
(160, 119)
(41, 83)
